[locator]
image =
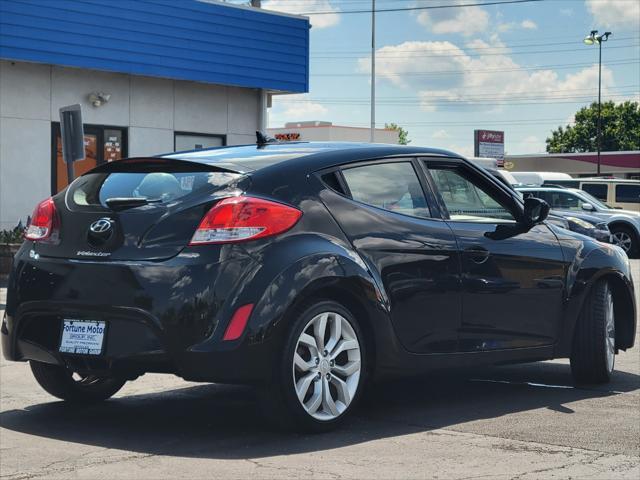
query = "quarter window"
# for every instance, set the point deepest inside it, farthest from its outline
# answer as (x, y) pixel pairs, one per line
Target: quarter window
(391, 186)
(628, 193)
(466, 199)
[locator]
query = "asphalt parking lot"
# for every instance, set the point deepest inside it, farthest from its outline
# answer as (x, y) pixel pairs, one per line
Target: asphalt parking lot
(523, 422)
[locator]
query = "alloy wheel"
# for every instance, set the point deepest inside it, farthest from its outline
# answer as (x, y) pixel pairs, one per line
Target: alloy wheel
(623, 240)
(326, 366)
(610, 332)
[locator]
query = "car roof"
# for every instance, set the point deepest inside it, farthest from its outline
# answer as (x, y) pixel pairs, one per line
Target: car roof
(316, 155)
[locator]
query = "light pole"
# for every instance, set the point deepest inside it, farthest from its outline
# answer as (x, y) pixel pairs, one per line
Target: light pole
(591, 39)
(373, 72)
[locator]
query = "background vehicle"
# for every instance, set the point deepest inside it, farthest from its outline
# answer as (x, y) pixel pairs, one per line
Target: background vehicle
(614, 192)
(306, 269)
(540, 178)
(576, 221)
(624, 224)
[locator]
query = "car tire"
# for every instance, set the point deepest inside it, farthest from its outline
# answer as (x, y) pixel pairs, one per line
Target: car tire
(316, 387)
(593, 352)
(625, 238)
(60, 382)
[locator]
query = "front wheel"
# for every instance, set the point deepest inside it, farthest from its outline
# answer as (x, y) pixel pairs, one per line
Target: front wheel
(72, 387)
(594, 343)
(625, 239)
(321, 371)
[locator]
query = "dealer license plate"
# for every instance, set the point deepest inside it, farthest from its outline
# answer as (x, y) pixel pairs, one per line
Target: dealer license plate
(82, 337)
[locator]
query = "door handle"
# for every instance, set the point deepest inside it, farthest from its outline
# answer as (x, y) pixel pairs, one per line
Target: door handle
(477, 254)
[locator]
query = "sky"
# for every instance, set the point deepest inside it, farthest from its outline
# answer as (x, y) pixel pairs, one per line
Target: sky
(441, 73)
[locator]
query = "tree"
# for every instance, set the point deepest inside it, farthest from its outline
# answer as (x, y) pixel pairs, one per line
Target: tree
(403, 135)
(620, 130)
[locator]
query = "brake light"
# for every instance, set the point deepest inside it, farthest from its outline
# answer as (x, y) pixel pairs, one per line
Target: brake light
(242, 218)
(44, 221)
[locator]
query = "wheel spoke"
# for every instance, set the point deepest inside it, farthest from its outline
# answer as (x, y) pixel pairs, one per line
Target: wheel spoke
(301, 364)
(310, 343)
(316, 399)
(336, 333)
(347, 369)
(328, 404)
(302, 386)
(343, 346)
(343, 390)
(319, 330)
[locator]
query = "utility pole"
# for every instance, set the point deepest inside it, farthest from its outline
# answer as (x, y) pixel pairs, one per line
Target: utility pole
(373, 71)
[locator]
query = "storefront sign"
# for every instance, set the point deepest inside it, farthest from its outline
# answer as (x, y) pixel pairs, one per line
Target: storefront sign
(288, 137)
(489, 144)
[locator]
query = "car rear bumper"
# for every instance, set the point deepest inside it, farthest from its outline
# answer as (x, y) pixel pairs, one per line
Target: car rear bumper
(161, 316)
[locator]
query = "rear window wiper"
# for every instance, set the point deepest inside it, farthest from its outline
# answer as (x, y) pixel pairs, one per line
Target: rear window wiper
(130, 202)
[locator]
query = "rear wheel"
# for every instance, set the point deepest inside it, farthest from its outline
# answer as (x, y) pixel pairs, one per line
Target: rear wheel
(67, 385)
(321, 371)
(594, 344)
(625, 239)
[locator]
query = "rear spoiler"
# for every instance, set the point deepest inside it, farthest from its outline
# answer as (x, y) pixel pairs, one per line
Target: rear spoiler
(158, 164)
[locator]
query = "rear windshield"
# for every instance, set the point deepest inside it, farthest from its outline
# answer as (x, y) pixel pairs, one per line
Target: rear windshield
(157, 186)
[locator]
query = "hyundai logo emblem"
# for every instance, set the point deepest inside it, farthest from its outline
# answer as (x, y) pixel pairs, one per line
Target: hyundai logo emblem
(102, 225)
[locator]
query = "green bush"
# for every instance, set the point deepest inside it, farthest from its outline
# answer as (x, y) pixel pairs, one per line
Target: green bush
(12, 236)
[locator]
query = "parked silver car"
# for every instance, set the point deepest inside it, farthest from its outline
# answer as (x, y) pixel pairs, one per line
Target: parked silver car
(624, 224)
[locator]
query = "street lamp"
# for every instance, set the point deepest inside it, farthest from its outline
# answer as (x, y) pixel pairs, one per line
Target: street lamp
(591, 39)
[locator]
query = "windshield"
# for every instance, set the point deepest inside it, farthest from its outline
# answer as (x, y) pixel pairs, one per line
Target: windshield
(594, 201)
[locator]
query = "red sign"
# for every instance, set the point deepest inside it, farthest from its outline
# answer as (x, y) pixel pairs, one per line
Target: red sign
(491, 136)
(489, 144)
(288, 137)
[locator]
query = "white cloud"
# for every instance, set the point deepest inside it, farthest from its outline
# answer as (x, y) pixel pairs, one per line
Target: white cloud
(615, 13)
(466, 21)
(295, 108)
(508, 26)
(297, 7)
(481, 82)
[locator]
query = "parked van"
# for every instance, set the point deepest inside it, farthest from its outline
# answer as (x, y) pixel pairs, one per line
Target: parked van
(615, 192)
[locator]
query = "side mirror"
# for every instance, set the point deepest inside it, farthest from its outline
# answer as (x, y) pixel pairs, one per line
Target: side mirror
(588, 207)
(535, 210)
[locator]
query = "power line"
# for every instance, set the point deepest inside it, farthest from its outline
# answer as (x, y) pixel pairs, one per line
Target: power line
(360, 52)
(432, 7)
(393, 55)
(462, 71)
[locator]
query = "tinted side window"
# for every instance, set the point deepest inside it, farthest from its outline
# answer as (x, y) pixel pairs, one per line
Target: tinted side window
(628, 193)
(467, 200)
(598, 190)
(391, 186)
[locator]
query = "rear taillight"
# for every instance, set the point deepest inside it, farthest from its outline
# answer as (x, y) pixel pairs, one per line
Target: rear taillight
(241, 218)
(44, 221)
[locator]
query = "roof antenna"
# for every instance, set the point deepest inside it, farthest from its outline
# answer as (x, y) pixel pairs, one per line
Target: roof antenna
(263, 139)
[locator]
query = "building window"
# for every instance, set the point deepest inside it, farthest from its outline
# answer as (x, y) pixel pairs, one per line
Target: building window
(101, 144)
(196, 141)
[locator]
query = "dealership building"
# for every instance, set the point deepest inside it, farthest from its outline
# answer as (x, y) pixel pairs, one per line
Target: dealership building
(616, 164)
(151, 77)
(316, 131)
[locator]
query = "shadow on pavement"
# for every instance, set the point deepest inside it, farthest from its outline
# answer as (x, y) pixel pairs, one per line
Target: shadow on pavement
(218, 421)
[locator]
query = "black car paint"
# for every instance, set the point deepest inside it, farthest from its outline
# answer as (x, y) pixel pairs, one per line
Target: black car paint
(412, 288)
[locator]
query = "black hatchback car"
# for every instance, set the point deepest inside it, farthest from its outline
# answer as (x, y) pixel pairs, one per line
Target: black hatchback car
(307, 269)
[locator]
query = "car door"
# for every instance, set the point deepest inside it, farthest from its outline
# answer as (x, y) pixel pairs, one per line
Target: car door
(512, 277)
(387, 216)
